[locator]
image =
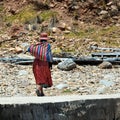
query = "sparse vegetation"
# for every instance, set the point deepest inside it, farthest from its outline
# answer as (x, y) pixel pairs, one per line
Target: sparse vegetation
(98, 34)
(67, 91)
(88, 25)
(24, 15)
(1, 8)
(47, 14)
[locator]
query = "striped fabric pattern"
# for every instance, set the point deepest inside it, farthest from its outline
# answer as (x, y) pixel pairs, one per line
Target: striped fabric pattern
(41, 51)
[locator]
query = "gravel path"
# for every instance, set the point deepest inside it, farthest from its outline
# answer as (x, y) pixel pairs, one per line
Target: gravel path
(18, 80)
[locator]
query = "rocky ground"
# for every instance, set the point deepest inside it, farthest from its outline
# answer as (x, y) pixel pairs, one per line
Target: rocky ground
(18, 80)
(77, 26)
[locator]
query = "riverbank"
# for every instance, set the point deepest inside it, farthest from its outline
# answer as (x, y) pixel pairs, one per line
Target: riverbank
(18, 80)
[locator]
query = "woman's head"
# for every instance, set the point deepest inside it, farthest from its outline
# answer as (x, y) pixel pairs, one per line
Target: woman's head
(43, 37)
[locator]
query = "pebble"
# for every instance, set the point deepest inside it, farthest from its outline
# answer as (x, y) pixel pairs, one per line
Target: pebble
(18, 80)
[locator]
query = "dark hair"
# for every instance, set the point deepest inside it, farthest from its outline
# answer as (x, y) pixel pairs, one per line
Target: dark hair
(43, 40)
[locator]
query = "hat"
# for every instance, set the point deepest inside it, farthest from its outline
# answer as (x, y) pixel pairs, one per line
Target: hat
(43, 36)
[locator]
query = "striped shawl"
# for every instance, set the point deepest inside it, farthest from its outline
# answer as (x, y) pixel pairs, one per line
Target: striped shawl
(41, 51)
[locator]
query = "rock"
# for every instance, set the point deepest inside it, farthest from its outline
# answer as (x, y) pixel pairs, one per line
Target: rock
(107, 83)
(102, 90)
(67, 65)
(16, 30)
(95, 44)
(69, 28)
(66, 31)
(18, 50)
(28, 27)
(22, 56)
(114, 10)
(109, 4)
(103, 12)
(118, 5)
(62, 26)
(24, 44)
(61, 86)
(52, 5)
(22, 72)
(54, 29)
(105, 65)
(109, 77)
(114, 7)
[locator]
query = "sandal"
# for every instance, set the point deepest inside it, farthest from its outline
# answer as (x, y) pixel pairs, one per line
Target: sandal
(42, 94)
(39, 94)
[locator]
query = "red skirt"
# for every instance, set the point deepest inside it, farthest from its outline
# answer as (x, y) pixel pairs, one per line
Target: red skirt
(42, 73)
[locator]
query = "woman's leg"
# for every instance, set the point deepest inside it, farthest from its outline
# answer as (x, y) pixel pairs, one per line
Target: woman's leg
(40, 90)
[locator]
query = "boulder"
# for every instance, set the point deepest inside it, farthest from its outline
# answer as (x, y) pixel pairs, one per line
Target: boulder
(67, 65)
(105, 65)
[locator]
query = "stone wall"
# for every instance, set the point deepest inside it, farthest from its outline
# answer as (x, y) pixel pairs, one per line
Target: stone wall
(61, 108)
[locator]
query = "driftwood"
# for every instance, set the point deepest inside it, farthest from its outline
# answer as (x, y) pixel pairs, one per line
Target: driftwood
(13, 38)
(17, 60)
(81, 60)
(26, 61)
(103, 55)
(105, 49)
(94, 59)
(8, 40)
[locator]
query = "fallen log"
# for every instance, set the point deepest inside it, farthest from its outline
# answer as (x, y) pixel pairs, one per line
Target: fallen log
(12, 38)
(80, 61)
(106, 54)
(105, 49)
(14, 59)
(112, 60)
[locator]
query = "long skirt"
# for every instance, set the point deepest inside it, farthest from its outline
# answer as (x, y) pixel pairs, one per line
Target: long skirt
(42, 73)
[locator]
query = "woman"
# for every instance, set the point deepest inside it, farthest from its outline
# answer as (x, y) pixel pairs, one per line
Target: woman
(42, 64)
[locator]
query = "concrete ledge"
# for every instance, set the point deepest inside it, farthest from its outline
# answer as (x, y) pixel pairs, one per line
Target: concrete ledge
(90, 107)
(54, 99)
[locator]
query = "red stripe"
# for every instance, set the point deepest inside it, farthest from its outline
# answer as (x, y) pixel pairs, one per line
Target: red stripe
(41, 50)
(31, 49)
(36, 51)
(45, 54)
